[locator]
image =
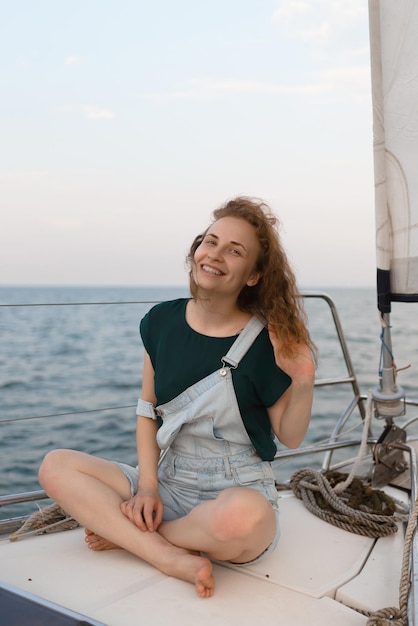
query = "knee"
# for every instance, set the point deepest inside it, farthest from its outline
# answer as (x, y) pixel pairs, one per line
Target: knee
(239, 513)
(51, 468)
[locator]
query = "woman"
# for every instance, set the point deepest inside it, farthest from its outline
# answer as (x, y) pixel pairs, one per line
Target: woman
(223, 370)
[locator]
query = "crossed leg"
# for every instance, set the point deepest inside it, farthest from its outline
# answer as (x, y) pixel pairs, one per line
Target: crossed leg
(92, 490)
(223, 528)
(237, 526)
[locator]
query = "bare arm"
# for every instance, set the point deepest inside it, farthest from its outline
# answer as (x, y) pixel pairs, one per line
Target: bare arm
(290, 415)
(146, 509)
(146, 431)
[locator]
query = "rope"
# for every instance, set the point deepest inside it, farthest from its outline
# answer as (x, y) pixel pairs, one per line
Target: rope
(387, 617)
(340, 487)
(358, 509)
(394, 616)
(50, 519)
(364, 511)
(346, 502)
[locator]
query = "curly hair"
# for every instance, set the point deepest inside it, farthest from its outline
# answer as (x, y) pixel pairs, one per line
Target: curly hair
(275, 298)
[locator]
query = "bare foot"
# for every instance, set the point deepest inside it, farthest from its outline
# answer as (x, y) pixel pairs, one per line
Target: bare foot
(204, 580)
(97, 543)
(182, 564)
(195, 569)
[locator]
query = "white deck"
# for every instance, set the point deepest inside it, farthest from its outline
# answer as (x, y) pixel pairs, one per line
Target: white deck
(297, 584)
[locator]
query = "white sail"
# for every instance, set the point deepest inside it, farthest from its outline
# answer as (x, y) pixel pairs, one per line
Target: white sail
(393, 37)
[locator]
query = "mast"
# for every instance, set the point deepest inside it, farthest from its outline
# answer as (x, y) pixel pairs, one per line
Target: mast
(394, 69)
(388, 397)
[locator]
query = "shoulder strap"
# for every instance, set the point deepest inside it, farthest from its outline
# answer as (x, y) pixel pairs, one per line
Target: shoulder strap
(243, 342)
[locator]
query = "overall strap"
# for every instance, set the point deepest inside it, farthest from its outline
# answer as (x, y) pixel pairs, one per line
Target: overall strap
(243, 342)
(238, 349)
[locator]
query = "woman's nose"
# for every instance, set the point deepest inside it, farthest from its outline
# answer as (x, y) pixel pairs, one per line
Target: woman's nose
(215, 255)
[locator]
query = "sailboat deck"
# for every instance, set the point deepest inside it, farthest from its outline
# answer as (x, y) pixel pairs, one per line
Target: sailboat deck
(115, 588)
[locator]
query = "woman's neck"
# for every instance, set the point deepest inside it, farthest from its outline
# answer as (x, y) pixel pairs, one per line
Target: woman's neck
(216, 319)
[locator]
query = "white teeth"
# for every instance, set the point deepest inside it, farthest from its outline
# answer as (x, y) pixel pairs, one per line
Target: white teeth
(211, 270)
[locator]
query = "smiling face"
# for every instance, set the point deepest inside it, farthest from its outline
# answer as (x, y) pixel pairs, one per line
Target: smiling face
(226, 259)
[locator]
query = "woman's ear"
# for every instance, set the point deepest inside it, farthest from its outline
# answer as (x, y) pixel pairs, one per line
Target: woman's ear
(253, 279)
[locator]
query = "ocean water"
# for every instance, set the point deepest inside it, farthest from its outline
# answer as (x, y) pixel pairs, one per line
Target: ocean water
(70, 372)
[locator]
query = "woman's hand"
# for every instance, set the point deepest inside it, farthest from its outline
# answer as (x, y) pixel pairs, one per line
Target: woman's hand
(298, 365)
(290, 415)
(145, 509)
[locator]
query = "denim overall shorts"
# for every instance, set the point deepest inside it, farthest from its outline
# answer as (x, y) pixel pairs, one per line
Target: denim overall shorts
(206, 446)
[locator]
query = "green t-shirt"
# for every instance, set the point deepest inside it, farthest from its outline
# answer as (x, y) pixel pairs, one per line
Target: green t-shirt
(181, 357)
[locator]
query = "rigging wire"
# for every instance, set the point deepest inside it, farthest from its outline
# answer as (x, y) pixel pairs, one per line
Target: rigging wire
(80, 303)
(41, 304)
(384, 346)
(35, 417)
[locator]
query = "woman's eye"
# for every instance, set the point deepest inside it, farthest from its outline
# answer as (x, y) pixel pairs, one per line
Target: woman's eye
(235, 251)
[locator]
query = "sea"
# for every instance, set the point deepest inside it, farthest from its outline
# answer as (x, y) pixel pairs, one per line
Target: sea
(71, 366)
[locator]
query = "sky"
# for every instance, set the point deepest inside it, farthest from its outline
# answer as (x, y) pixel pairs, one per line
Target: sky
(125, 123)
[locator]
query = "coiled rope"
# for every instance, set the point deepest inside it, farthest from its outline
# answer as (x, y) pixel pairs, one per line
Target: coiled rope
(50, 519)
(359, 509)
(366, 512)
(346, 501)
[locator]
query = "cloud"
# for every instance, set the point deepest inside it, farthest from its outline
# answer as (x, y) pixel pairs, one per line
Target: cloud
(334, 35)
(233, 87)
(92, 112)
(325, 81)
(348, 80)
(73, 60)
(207, 89)
(89, 111)
(319, 22)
